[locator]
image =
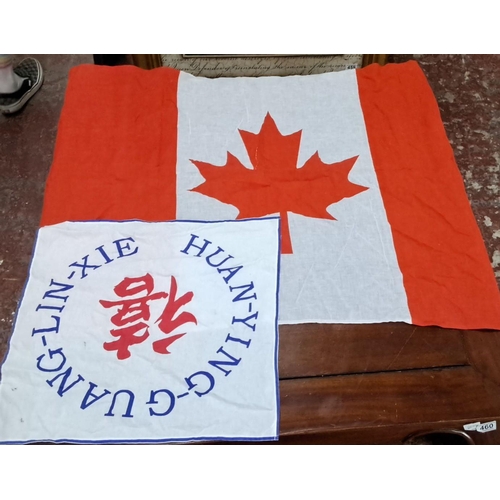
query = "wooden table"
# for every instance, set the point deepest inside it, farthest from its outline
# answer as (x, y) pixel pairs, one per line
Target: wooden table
(343, 384)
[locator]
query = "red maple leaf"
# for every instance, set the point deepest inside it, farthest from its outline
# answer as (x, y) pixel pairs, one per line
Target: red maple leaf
(275, 184)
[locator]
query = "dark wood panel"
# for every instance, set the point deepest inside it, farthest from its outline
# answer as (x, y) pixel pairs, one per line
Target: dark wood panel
(389, 435)
(147, 61)
(483, 351)
(324, 404)
(319, 349)
(374, 58)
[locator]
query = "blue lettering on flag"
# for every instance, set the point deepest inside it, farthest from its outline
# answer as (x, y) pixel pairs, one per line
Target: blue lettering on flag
(52, 294)
(83, 266)
(242, 295)
(191, 244)
(52, 329)
(246, 343)
(62, 385)
(128, 412)
(52, 353)
(153, 401)
(231, 272)
(219, 250)
(201, 374)
(220, 363)
(90, 398)
(121, 247)
(245, 320)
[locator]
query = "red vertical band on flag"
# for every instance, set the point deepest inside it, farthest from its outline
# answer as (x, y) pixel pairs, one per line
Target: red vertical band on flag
(115, 154)
(446, 270)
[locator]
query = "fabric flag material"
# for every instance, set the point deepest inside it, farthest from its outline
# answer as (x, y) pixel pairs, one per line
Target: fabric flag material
(376, 224)
(146, 332)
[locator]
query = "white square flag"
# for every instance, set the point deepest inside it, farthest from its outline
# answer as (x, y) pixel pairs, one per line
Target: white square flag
(146, 332)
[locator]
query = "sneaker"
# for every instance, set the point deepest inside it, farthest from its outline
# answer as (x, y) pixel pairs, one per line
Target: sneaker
(31, 70)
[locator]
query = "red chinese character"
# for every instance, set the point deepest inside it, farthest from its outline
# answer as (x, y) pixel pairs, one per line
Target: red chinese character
(166, 321)
(133, 313)
(137, 308)
(127, 338)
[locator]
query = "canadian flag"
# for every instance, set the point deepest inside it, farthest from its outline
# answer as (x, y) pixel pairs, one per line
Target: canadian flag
(375, 222)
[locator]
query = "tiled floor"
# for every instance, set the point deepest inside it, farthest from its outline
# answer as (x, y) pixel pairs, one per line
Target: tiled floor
(467, 89)
(26, 147)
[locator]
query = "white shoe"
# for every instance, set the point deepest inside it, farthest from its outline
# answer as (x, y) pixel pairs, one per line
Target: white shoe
(31, 70)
